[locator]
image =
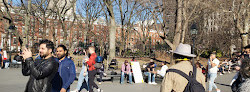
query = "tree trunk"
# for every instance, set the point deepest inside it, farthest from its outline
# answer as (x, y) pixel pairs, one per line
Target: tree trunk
(178, 25)
(27, 24)
(244, 40)
(112, 37)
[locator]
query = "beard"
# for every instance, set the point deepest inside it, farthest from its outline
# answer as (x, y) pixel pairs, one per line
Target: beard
(60, 56)
(44, 55)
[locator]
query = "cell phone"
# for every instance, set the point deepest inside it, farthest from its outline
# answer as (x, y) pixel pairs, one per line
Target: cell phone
(27, 46)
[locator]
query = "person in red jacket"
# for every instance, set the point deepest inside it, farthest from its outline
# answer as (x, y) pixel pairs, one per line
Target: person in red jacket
(92, 70)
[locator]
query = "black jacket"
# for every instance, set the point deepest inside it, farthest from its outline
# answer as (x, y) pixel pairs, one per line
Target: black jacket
(41, 72)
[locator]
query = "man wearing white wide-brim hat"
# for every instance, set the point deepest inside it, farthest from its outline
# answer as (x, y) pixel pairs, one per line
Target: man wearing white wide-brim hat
(175, 82)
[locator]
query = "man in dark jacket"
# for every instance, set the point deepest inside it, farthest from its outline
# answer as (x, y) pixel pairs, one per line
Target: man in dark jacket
(66, 71)
(41, 71)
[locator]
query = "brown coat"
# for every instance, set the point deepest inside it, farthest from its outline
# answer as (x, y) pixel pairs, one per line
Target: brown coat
(174, 81)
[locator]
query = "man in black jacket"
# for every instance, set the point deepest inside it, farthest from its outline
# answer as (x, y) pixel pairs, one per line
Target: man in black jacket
(41, 71)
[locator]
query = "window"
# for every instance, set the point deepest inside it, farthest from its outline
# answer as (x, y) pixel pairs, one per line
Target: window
(55, 32)
(47, 32)
(61, 33)
(40, 31)
(23, 29)
(68, 33)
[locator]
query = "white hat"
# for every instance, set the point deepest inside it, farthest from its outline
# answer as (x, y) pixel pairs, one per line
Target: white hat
(184, 50)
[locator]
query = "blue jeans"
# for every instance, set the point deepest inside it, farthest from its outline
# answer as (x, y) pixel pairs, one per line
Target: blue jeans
(212, 77)
(81, 78)
(123, 75)
(149, 76)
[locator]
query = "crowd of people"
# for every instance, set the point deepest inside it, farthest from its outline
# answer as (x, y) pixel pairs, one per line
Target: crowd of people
(55, 72)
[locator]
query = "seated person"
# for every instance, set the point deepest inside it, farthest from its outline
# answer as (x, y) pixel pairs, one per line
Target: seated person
(126, 71)
(224, 65)
(17, 59)
(163, 70)
(150, 72)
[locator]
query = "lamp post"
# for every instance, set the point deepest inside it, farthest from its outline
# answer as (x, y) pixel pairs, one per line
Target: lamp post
(193, 32)
(11, 30)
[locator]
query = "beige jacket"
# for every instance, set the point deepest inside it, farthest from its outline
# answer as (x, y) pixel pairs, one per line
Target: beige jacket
(174, 81)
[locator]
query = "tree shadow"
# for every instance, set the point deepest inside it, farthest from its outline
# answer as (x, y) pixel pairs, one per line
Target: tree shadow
(159, 60)
(222, 84)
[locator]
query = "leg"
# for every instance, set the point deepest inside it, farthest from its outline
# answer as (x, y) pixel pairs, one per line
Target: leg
(91, 81)
(149, 76)
(101, 74)
(122, 77)
(80, 80)
(153, 78)
(87, 82)
(130, 78)
(211, 82)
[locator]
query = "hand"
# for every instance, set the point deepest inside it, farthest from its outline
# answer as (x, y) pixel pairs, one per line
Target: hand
(63, 90)
(237, 68)
(26, 53)
(86, 59)
(84, 74)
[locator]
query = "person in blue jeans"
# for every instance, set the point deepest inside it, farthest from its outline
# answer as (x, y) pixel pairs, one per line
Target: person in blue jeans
(150, 72)
(126, 70)
(83, 76)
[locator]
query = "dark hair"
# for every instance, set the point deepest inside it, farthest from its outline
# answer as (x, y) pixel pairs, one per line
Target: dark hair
(64, 48)
(164, 62)
(49, 44)
(151, 63)
(245, 68)
(177, 56)
(247, 47)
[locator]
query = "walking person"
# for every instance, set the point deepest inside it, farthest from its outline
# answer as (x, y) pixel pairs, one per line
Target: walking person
(92, 70)
(41, 71)
(66, 71)
(83, 76)
(213, 63)
(177, 77)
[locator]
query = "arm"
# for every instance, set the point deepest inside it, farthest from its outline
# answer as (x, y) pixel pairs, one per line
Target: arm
(91, 60)
(25, 68)
(44, 72)
(72, 76)
(123, 68)
(129, 69)
(213, 64)
(167, 83)
(149, 70)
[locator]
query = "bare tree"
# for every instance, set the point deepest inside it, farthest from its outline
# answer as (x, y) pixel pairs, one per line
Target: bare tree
(128, 10)
(65, 9)
(112, 28)
(89, 11)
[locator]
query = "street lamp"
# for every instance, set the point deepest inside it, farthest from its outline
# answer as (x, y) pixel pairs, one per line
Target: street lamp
(193, 31)
(11, 29)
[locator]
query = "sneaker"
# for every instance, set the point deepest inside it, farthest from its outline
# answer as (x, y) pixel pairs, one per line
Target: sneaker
(99, 83)
(221, 74)
(104, 74)
(218, 91)
(154, 83)
(149, 82)
(99, 90)
(74, 90)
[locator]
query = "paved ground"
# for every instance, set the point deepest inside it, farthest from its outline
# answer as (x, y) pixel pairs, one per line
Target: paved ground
(11, 80)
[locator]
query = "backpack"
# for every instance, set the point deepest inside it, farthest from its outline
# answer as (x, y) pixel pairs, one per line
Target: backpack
(98, 63)
(193, 85)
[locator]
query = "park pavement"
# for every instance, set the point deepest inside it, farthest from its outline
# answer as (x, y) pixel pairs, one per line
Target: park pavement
(12, 80)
